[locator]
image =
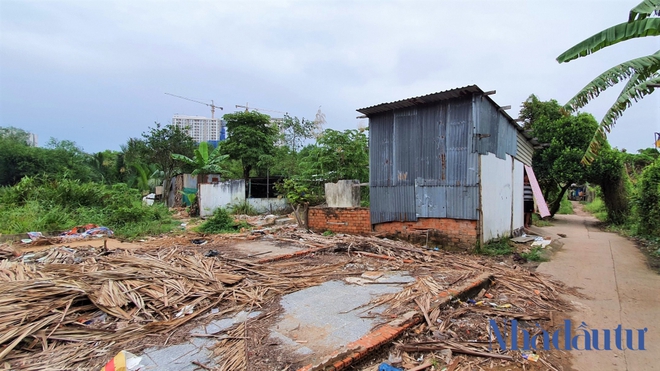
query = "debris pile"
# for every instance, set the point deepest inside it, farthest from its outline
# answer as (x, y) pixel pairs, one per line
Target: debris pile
(55, 304)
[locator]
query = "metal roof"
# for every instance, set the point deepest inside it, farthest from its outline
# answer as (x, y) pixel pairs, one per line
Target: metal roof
(423, 99)
(440, 96)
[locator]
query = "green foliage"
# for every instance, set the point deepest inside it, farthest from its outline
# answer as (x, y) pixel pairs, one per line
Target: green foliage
(13, 134)
(566, 207)
(496, 247)
(648, 200)
(204, 162)
(538, 222)
(328, 233)
(220, 222)
(337, 155)
(641, 73)
(535, 254)
(250, 137)
(157, 146)
(242, 208)
(298, 193)
(566, 137)
(48, 204)
(294, 131)
(597, 208)
(62, 159)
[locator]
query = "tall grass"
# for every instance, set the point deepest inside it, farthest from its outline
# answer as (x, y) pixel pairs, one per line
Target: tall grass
(49, 205)
(565, 207)
(597, 208)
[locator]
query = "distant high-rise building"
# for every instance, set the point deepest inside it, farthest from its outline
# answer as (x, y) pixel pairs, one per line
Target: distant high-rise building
(33, 140)
(201, 129)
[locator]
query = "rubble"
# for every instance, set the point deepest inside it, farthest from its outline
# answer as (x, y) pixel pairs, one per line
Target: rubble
(56, 302)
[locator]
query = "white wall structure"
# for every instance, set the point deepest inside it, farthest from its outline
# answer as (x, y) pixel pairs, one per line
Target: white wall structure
(518, 180)
(201, 129)
(268, 205)
(497, 196)
(342, 194)
(215, 195)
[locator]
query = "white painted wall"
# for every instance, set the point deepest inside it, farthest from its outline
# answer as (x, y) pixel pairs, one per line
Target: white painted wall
(518, 212)
(496, 196)
(268, 205)
(215, 195)
(342, 194)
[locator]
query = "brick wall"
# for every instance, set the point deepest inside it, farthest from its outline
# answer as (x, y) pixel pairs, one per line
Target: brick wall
(353, 220)
(446, 233)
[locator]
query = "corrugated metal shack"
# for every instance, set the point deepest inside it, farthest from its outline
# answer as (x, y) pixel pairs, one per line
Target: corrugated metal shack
(431, 167)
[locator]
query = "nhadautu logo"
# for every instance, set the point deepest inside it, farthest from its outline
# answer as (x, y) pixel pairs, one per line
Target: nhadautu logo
(583, 338)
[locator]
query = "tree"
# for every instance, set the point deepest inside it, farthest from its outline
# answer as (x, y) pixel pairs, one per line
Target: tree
(643, 73)
(337, 155)
(250, 137)
(14, 134)
(157, 146)
(294, 131)
(557, 166)
(202, 162)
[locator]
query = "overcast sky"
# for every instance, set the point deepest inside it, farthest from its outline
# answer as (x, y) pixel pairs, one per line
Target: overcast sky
(95, 72)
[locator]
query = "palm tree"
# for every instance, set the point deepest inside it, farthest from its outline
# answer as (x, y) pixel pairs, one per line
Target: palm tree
(643, 73)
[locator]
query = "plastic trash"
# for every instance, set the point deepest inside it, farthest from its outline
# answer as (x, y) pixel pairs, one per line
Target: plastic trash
(188, 309)
(211, 253)
(387, 367)
(531, 357)
(123, 361)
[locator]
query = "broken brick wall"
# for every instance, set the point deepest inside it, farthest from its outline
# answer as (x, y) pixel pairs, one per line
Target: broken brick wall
(442, 232)
(352, 220)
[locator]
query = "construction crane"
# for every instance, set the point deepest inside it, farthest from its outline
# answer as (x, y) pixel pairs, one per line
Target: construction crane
(247, 109)
(212, 105)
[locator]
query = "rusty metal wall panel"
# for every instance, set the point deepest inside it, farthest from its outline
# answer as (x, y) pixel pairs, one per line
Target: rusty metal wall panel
(463, 202)
(381, 146)
(392, 204)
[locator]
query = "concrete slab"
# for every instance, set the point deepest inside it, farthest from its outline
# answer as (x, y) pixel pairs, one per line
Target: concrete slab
(321, 319)
(265, 249)
(179, 357)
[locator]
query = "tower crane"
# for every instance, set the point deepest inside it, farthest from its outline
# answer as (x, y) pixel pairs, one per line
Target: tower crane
(247, 109)
(212, 105)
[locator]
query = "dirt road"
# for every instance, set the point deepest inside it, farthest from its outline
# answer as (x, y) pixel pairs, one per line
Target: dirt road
(622, 289)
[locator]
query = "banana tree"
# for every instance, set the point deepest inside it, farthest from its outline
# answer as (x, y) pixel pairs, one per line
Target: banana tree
(643, 73)
(204, 162)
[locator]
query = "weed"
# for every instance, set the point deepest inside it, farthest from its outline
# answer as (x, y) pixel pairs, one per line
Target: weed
(597, 208)
(565, 207)
(243, 208)
(221, 222)
(496, 247)
(50, 205)
(538, 222)
(535, 254)
(328, 233)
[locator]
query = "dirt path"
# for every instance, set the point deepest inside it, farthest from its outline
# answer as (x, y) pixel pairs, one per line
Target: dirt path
(622, 289)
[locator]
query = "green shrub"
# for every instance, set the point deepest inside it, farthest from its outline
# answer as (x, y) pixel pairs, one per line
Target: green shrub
(597, 208)
(496, 247)
(221, 222)
(243, 208)
(648, 200)
(538, 222)
(535, 254)
(49, 205)
(565, 207)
